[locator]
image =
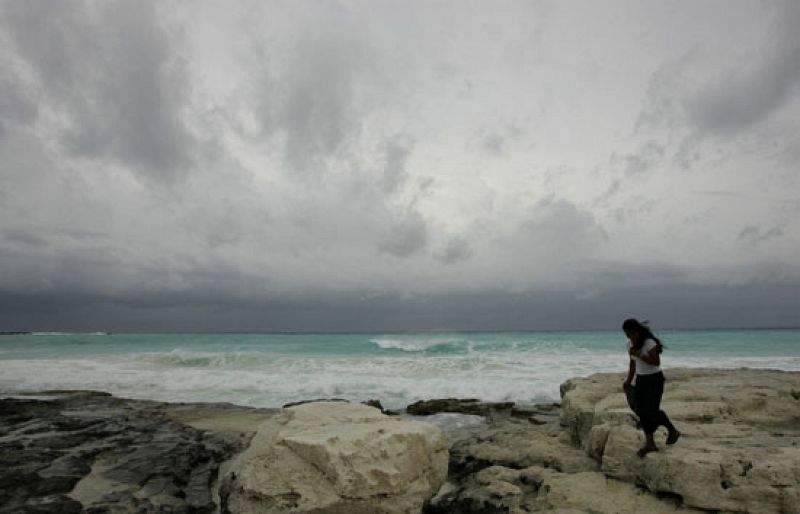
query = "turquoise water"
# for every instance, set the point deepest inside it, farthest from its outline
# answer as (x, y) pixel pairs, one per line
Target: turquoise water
(271, 369)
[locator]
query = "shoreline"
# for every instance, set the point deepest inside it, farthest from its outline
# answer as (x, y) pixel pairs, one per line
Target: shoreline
(269, 371)
(70, 450)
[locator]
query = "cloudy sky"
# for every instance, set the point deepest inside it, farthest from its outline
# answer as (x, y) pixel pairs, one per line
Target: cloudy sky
(387, 165)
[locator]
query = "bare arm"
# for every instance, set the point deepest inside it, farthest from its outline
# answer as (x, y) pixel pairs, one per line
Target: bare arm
(631, 372)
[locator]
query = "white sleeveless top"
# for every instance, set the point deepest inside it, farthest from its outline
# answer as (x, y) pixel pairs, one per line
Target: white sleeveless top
(643, 368)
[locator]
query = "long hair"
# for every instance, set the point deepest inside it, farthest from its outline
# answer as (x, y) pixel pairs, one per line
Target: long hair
(643, 330)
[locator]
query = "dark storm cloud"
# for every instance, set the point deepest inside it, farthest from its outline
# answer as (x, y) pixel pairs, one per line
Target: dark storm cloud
(600, 274)
(721, 99)
(372, 166)
(309, 91)
(747, 95)
(108, 67)
(676, 305)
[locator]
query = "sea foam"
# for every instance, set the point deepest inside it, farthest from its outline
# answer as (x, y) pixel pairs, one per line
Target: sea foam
(270, 370)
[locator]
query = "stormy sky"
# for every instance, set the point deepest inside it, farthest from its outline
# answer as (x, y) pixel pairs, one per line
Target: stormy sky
(386, 165)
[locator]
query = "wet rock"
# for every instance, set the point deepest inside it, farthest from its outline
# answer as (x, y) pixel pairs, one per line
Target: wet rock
(303, 402)
(463, 406)
(376, 404)
(90, 452)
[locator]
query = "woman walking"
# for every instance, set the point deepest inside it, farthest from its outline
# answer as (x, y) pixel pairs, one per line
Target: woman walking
(645, 350)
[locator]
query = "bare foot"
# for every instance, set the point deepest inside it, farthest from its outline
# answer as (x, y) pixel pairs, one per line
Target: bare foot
(673, 437)
(644, 450)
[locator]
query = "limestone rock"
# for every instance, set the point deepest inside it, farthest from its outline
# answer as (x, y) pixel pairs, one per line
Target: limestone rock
(517, 445)
(498, 489)
(740, 449)
(337, 458)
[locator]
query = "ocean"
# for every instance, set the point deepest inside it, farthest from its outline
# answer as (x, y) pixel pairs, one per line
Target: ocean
(268, 370)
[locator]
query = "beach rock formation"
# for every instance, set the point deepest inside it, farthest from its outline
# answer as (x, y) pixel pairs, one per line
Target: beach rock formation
(740, 448)
(83, 451)
(499, 489)
(528, 463)
(336, 458)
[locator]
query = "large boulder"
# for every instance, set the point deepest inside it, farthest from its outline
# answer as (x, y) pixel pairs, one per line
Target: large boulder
(337, 458)
(740, 449)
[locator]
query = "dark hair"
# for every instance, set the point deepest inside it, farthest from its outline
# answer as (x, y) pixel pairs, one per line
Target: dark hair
(643, 330)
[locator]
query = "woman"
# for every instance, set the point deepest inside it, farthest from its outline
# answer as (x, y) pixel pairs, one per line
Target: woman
(645, 351)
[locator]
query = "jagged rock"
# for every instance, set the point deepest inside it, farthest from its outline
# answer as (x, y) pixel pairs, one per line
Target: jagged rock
(498, 489)
(376, 404)
(464, 406)
(83, 451)
(517, 445)
(337, 458)
(740, 449)
(303, 402)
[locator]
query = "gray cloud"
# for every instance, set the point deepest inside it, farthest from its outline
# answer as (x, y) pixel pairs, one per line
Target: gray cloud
(718, 192)
(109, 68)
(310, 90)
(407, 235)
(335, 174)
(394, 172)
(754, 235)
(747, 95)
(20, 237)
(634, 208)
(664, 96)
(556, 224)
(649, 155)
(644, 159)
(456, 250)
(731, 97)
(496, 141)
(17, 108)
(674, 305)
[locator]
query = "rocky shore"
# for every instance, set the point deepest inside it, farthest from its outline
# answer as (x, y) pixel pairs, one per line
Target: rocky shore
(82, 451)
(85, 451)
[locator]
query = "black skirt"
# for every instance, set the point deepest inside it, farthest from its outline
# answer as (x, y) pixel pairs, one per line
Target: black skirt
(647, 396)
